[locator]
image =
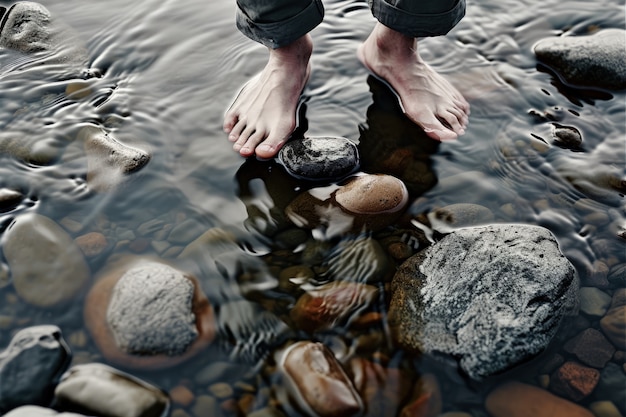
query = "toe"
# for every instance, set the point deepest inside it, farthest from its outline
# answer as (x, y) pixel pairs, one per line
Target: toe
(453, 121)
(270, 146)
(250, 145)
(229, 122)
(236, 131)
(436, 130)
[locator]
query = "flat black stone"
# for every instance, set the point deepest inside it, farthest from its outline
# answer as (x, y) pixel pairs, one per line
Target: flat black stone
(320, 158)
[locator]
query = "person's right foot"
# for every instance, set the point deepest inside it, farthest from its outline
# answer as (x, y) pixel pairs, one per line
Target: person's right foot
(263, 115)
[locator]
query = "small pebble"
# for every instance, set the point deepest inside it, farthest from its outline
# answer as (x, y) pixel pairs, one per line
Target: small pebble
(182, 395)
(205, 406)
(604, 409)
(221, 390)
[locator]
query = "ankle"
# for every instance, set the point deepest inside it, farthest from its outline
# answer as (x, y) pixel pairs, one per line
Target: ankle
(392, 44)
(296, 53)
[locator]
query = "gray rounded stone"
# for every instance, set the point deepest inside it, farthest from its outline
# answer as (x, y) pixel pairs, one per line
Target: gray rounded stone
(47, 267)
(150, 311)
(596, 60)
(320, 158)
(31, 366)
(490, 296)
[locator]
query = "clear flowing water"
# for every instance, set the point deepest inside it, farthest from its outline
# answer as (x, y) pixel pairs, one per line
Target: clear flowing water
(171, 68)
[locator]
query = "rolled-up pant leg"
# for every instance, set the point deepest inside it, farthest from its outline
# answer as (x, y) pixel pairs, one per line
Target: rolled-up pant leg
(419, 18)
(276, 23)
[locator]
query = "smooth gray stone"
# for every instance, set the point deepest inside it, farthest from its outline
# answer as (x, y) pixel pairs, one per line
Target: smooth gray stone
(319, 158)
(597, 60)
(150, 311)
(491, 296)
(31, 366)
(95, 389)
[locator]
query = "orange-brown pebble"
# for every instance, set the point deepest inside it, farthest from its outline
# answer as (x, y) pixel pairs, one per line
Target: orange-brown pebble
(318, 383)
(245, 403)
(182, 395)
(425, 400)
(373, 194)
(383, 389)
(95, 315)
(574, 381)
(92, 244)
(515, 399)
(330, 303)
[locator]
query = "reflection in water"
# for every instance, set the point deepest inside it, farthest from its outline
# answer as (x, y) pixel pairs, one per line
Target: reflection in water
(169, 69)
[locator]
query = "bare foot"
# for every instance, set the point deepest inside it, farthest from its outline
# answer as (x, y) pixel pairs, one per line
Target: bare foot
(427, 98)
(264, 113)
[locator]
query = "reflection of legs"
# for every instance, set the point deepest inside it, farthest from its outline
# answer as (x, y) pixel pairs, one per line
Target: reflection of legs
(391, 53)
(264, 114)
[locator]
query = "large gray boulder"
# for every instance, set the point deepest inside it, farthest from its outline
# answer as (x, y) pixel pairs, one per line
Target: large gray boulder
(491, 297)
(597, 60)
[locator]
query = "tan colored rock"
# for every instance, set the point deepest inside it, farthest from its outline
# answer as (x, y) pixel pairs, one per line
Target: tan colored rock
(515, 399)
(331, 303)
(95, 315)
(46, 265)
(318, 383)
(373, 194)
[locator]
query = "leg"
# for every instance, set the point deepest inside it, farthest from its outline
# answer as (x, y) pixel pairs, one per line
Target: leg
(264, 114)
(391, 52)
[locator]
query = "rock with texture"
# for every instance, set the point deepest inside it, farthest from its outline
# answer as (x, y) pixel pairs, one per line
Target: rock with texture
(490, 296)
(331, 303)
(319, 158)
(590, 347)
(143, 313)
(47, 266)
(574, 381)
(596, 60)
(514, 399)
(96, 389)
(109, 160)
(454, 216)
(31, 366)
(317, 382)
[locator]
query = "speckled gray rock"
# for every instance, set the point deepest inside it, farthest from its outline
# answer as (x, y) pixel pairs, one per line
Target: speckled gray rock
(28, 27)
(490, 296)
(47, 266)
(319, 158)
(36, 411)
(99, 390)
(151, 311)
(596, 60)
(31, 366)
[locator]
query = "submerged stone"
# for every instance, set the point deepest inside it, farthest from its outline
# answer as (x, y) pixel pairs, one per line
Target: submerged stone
(36, 411)
(491, 296)
(567, 136)
(320, 158)
(47, 266)
(96, 389)
(596, 60)
(143, 313)
(31, 366)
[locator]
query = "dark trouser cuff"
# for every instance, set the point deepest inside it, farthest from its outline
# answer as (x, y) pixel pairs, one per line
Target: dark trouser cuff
(277, 34)
(417, 25)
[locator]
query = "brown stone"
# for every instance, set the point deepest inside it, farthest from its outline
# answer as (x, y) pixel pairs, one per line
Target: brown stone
(383, 389)
(182, 395)
(95, 315)
(613, 325)
(92, 244)
(591, 348)
(331, 303)
(373, 194)
(574, 381)
(425, 400)
(514, 399)
(318, 383)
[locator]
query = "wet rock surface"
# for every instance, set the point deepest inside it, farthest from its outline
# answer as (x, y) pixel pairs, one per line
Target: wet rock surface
(366, 201)
(31, 366)
(595, 60)
(46, 265)
(96, 389)
(144, 313)
(150, 311)
(319, 158)
(36, 411)
(318, 383)
(492, 296)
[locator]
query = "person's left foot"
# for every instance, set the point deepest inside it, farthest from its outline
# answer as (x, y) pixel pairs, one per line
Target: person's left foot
(427, 98)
